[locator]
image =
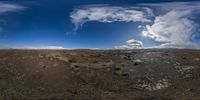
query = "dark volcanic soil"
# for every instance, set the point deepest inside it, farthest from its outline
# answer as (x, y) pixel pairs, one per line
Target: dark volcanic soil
(99, 75)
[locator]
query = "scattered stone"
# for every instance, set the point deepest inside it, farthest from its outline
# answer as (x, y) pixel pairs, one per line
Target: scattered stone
(190, 89)
(152, 85)
(196, 59)
(77, 76)
(116, 73)
(63, 59)
(41, 56)
(166, 54)
(184, 58)
(76, 66)
(125, 74)
(137, 62)
(73, 60)
(183, 69)
(128, 57)
(117, 68)
(44, 66)
(96, 55)
(95, 61)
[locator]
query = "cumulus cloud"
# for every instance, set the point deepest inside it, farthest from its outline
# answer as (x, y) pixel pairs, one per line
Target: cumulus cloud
(176, 27)
(134, 43)
(131, 44)
(109, 14)
(171, 24)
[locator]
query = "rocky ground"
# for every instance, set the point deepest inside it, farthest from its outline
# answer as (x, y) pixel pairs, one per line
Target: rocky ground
(99, 75)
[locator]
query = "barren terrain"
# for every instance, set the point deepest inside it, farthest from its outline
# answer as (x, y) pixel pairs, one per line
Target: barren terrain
(99, 74)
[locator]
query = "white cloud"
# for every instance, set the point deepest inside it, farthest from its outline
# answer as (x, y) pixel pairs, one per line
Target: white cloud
(180, 46)
(131, 44)
(5, 7)
(175, 6)
(34, 47)
(175, 28)
(123, 47)
(109, 14)
(174, 25)
(46, 47)
(134, 43)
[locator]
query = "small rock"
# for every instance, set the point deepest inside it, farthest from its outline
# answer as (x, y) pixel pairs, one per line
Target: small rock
(137, 62)
(190, 89)
(125, 74)
(117, 68)
(127, 57)
(76, 66)
(44, 66)
(73, 60)
(196, 59)
(184, 58)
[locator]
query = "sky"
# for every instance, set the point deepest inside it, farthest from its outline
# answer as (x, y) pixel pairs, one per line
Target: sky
(99, 24)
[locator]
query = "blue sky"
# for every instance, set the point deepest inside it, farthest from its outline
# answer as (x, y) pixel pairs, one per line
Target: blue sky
(121, 24)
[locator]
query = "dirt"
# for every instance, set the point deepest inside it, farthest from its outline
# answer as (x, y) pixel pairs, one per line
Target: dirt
(99, 74)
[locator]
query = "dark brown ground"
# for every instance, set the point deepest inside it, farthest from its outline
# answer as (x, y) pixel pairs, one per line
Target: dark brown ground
(99, 75)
